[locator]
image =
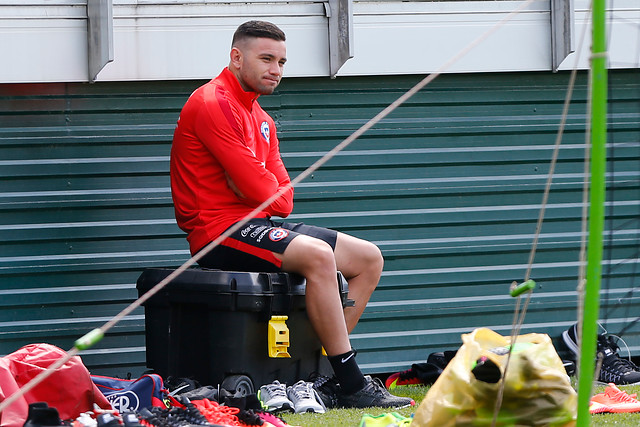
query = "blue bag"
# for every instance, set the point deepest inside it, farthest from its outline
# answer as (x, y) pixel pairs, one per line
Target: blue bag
(133, 395)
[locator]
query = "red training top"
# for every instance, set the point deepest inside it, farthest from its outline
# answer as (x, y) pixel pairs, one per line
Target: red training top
(223, 132)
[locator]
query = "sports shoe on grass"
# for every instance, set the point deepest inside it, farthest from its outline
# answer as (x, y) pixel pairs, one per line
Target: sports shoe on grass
(273, 397)
(402, 421)
(385, 420)
(408, 377)
(615, 400)
(598, 408)
(421, 373)
(327, 389)
(373, 394)
(305, 398)
(272, 420)
(570, 338)
(614, 369)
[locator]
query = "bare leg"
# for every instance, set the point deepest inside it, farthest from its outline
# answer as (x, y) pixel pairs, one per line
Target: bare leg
(314, 259)
(361, 264)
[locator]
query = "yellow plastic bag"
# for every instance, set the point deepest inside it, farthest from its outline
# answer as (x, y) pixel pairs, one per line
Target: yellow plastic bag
(537, 391)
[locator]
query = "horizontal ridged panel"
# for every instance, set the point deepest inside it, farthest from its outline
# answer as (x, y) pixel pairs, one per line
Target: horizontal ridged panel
(87, 208)
(449, 186)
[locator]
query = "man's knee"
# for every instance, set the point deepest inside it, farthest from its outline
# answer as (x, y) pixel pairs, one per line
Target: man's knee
(371, 257)
(320, 254)
(307, 255)
(375, 256)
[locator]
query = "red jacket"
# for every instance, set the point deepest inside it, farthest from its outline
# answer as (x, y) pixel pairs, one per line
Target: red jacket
(223, 132)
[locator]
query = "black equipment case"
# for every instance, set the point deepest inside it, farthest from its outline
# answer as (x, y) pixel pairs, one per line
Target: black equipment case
(212, 326)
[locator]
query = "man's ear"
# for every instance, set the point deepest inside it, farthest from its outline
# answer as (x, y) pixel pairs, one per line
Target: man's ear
(236, 57)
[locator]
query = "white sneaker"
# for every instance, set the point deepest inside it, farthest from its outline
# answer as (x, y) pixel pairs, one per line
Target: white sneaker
(305, 398)
(273, 397)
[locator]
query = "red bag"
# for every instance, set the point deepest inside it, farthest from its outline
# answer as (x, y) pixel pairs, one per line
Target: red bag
(69, 389)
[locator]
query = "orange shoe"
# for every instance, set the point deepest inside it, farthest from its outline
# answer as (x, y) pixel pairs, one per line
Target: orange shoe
(598, 408)
(616, 400)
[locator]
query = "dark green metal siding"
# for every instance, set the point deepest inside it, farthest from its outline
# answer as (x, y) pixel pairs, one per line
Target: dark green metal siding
(449, 186)
(85, 206)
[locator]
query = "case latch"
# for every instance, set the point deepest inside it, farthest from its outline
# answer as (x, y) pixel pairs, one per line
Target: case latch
(278, 337)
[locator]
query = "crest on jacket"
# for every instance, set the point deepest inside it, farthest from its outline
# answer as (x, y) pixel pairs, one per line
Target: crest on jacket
(264, 130)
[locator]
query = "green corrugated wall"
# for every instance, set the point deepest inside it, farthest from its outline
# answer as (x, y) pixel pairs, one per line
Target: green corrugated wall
(449, 186)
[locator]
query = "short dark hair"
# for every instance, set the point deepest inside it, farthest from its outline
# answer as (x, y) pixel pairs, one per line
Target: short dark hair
(255, 29)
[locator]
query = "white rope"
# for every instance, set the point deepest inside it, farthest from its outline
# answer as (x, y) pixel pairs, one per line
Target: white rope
(341, 146)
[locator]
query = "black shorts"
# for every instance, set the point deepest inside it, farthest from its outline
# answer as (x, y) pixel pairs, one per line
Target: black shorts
(251, 247)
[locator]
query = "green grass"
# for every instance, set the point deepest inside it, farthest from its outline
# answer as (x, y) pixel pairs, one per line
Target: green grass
(352, 417)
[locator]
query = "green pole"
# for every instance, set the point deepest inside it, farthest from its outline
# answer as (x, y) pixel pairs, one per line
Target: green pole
(596, 211)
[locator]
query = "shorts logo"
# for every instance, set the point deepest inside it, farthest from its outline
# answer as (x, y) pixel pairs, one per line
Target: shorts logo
(258, 230)
(278, 234)
(264, 130)
(245, 232)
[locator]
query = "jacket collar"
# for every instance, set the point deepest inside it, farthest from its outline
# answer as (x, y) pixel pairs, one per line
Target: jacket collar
(231, 82)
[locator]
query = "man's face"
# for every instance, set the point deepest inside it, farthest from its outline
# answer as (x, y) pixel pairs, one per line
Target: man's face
(259, 63)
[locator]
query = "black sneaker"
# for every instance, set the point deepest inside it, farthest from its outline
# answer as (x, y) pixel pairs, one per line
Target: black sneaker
(327, 389)
(373, 394)
(614, 369)
(570, 338)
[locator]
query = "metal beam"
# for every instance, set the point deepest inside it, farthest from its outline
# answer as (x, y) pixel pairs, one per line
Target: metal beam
(562, 19)
(99, 35)
(340, 14)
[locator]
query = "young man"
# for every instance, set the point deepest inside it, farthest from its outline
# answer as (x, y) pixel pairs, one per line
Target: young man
(225, 162)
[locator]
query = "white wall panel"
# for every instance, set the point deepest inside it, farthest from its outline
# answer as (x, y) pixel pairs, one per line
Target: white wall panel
(45, 41)
(166, 48)
(419, 37)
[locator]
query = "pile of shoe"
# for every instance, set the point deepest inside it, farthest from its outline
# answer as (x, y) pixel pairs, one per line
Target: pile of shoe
(613, 400)
(299, 398)
(614, 369)
(214, 406)
(203, 412)
(322, 393)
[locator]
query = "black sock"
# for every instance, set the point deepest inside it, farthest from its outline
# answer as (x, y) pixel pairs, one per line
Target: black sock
(347, 371)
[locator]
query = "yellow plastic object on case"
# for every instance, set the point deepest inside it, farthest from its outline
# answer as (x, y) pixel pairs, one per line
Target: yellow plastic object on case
(278, 338)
